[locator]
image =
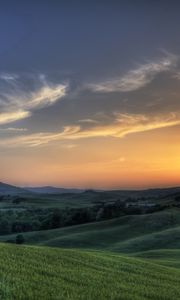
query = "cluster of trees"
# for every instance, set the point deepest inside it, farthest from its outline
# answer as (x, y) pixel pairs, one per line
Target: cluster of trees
(18, 221)
(15, 221)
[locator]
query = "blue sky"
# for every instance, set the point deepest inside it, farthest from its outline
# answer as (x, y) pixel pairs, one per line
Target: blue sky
(78, 76)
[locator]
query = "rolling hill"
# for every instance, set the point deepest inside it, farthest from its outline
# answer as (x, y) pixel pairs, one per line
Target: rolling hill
(52, 190)
(127, 234)
(7, 189)
(130, 257)
(52, 274)
(166, 257)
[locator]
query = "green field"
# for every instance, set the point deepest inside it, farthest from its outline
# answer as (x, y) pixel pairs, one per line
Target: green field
(48, 273)
(48, 201)
(166, 257)
(127, 234)
(85, 199)
(132, 257)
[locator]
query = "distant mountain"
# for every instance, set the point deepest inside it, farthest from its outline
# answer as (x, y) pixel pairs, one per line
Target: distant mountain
(52, 190)
(7, 189)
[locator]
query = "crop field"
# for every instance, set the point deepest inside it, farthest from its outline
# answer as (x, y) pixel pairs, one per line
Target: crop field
(48, 273)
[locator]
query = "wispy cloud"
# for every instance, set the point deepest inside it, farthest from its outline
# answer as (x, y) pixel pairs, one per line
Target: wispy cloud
(136, 78)
(122, 125)
(18, 99)
(8, 76)
(45, 96)
(10, 117)
(13, 129)
(88, 121)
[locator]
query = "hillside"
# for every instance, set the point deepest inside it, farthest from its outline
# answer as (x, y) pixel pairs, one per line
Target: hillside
(128, 234)
(166, 257)
(52, 190)
(52, 274)
(51, 197)
(7, 189)
(129, 257)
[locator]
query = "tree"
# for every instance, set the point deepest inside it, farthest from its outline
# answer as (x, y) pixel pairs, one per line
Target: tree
(56, 220)
(5, 227)
(20, 239)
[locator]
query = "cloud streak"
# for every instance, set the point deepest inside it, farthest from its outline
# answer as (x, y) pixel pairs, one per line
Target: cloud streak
(13, 129)
(124, 124)
(135, 79)
(9, 117)
(18, 100)
(45, 96)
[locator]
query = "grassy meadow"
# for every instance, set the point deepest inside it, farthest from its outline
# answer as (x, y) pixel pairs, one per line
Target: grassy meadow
(49, 273)
(127, 234)
(134, 256)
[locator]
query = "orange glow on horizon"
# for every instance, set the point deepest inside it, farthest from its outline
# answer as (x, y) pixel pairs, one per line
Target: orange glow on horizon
(136, 161)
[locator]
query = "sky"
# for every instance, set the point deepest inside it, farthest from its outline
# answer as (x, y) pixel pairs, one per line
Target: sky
(90, 93)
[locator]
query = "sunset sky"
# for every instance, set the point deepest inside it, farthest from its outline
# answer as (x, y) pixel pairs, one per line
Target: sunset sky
(90, 93)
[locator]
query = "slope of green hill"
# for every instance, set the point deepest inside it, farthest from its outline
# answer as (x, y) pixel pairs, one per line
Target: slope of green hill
(48, 273)
(166, 257)
(127, 234)
(163, 239)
